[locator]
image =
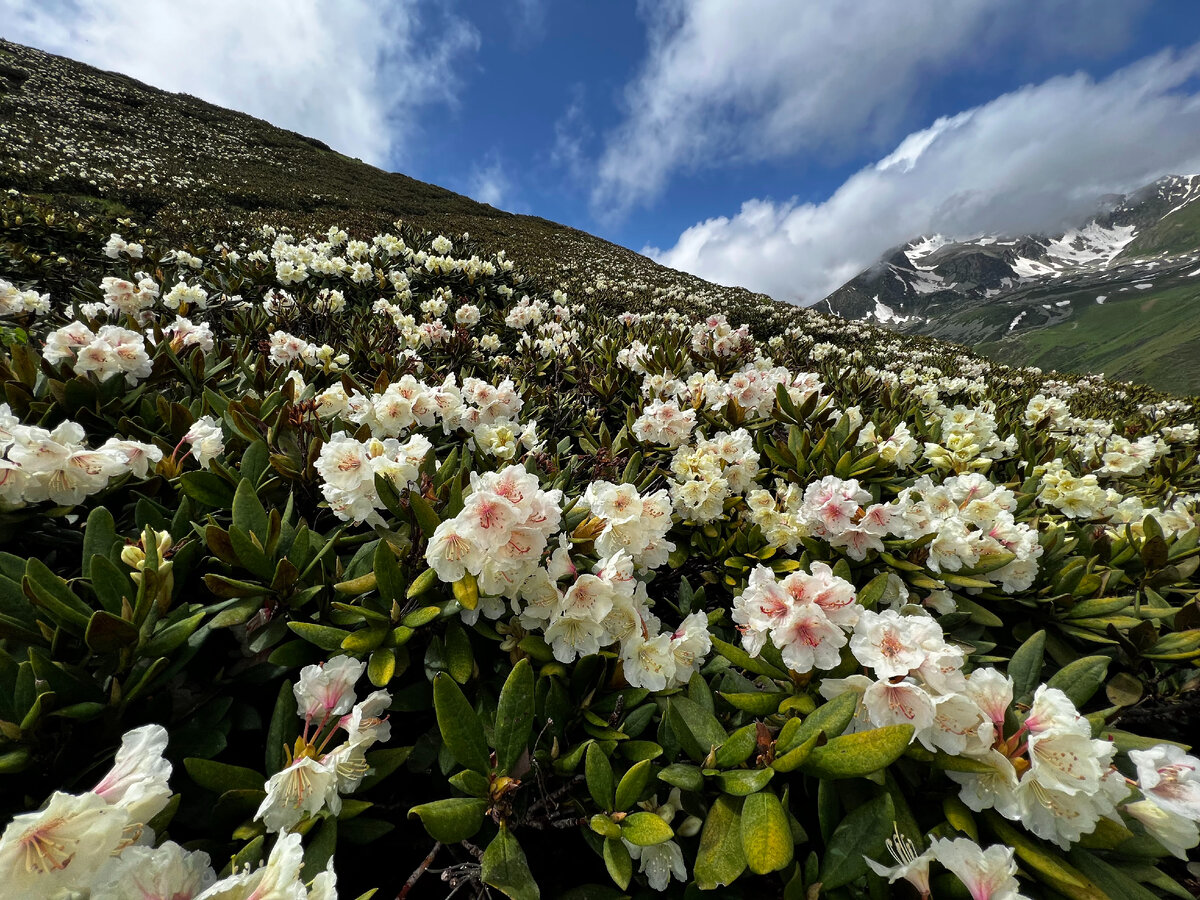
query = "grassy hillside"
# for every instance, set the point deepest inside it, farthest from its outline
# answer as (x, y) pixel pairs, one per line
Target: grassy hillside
(1151, 337)
(1176, 233)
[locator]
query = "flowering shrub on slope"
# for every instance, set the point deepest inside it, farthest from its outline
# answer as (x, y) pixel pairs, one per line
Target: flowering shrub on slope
(365, 548)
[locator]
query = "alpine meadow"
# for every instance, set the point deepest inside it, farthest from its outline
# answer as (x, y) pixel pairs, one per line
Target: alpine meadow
(358, 539)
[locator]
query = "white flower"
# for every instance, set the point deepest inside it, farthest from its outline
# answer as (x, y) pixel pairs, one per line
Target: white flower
(137, 781)
(889, 643)
(166, 872)
(1170, 777)
(1175, 832)
(327, 690)
(911, 866)
(206, 439)
(279, 879)
(988, 874)
(307, 786)
(60, 847)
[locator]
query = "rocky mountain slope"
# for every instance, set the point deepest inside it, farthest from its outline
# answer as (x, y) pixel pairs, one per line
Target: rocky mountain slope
(1118, 294)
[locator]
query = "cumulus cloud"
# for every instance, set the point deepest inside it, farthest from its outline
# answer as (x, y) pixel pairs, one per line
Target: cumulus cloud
(736, 82)
(1033, 159)
(354, 74)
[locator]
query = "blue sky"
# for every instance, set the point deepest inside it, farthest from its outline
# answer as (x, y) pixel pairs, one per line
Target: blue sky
(779, 144)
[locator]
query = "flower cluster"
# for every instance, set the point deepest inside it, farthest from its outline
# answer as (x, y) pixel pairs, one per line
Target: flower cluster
(806, 615)
(15, 302)
(505, 525)
(710, 472)
(348, 469)
(317, 775)
(631, 522)
(716, 337)
(101, 840)
(59, 466)
(108, 351)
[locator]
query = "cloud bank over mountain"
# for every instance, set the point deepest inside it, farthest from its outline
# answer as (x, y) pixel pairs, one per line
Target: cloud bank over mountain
(1031, 159)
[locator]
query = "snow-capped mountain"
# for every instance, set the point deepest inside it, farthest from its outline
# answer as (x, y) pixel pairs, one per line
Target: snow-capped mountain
(915, 285)
(1119, 293)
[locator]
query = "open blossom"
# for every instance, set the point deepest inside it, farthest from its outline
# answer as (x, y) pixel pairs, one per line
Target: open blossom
(165, 872)
(890, 643)
(60, 847)
(500, 534)
(988, 874)
(348, 469)
(137, 781)
(206, 439)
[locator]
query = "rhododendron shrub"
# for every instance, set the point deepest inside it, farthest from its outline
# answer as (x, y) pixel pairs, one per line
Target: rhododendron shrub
(337, 562)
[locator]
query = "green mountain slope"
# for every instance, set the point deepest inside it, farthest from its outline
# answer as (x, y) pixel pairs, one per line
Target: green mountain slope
(1176, 233)
(1148, 336)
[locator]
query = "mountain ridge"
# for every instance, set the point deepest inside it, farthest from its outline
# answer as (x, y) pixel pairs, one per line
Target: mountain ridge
(1004, 294)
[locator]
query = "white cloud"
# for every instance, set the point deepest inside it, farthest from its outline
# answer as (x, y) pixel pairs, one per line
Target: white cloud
(735, 82)
(1033, 159)
(489, 183)
(353, 74)
(529, 21)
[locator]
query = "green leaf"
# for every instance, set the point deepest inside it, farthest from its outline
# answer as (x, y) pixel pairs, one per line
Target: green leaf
(505, 868)
(859, 754)
(281, 728)
(320, 850)
(220, 777)
(514, 717)
(766, 835)
(862, 833)
(98, 537)
(111, 584)
(1025, 667)
(744, 660)
(683, 776)
(618, 862)
(832, 718)
(389, 580)
(207, 488)
(426, 517)
(54, 595)
(644, 829)
(599, 777)
(459, 659)
(632, 783)
(1080, 679)
(107, 633)
(741, 782)
(873, 591)
(452, 820)
(248, 512)
(459, 725)
(757, 703)
(323, 636)
(696, 728)
(721, 859)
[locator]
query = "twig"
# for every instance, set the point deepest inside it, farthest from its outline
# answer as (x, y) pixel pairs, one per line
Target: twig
(420, 870)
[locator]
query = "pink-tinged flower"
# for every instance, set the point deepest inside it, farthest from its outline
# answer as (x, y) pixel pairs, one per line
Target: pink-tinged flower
(327, 690)
(137, 781)
(888, 643)
(59, 848)
(988, 874)
(1170, 777)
